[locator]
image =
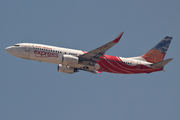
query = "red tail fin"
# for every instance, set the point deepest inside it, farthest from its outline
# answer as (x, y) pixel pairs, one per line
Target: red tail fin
(158, 52)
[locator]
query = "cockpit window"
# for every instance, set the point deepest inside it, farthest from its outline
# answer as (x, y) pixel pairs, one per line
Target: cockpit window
(16, 45)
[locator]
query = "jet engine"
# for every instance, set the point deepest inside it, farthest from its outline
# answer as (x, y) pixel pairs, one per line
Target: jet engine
(69, 59)
(66, 69)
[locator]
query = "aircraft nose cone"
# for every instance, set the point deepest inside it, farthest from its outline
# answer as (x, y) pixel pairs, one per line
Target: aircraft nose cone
(7, 49)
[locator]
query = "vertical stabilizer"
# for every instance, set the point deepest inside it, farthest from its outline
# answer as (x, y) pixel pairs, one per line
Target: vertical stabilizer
(158, 52)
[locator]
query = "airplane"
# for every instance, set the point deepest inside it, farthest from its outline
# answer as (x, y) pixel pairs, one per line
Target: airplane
(71, 61)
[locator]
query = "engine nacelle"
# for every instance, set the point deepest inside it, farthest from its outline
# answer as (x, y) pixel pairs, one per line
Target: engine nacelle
(66, 69)
(69, 59)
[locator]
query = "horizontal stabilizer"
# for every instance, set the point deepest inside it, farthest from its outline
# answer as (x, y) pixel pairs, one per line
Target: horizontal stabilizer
(161, 63)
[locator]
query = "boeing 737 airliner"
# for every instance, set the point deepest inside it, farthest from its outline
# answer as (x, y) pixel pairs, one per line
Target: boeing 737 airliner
(95, 61)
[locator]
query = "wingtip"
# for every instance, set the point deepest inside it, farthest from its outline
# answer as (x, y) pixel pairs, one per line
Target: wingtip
(118, 37)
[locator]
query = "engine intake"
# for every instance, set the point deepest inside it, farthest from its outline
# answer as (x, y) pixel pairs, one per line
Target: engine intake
(66, 69)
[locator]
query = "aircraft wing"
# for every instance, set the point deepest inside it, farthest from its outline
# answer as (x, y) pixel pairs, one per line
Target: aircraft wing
(100, 51)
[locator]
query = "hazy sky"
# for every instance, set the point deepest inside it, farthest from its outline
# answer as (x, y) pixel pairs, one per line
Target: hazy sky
(30, 90)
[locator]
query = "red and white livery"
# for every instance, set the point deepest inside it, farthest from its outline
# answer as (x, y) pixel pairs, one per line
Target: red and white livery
(95, 61)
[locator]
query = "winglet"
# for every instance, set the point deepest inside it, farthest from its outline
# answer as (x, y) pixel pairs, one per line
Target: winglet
(118, 37)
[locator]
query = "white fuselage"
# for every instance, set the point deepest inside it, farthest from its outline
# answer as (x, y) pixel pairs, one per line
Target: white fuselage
(46, 53)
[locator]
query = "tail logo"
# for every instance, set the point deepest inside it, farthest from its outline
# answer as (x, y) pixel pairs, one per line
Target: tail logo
(158, 52)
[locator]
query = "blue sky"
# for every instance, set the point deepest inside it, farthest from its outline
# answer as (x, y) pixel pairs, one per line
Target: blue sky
(31, 90)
